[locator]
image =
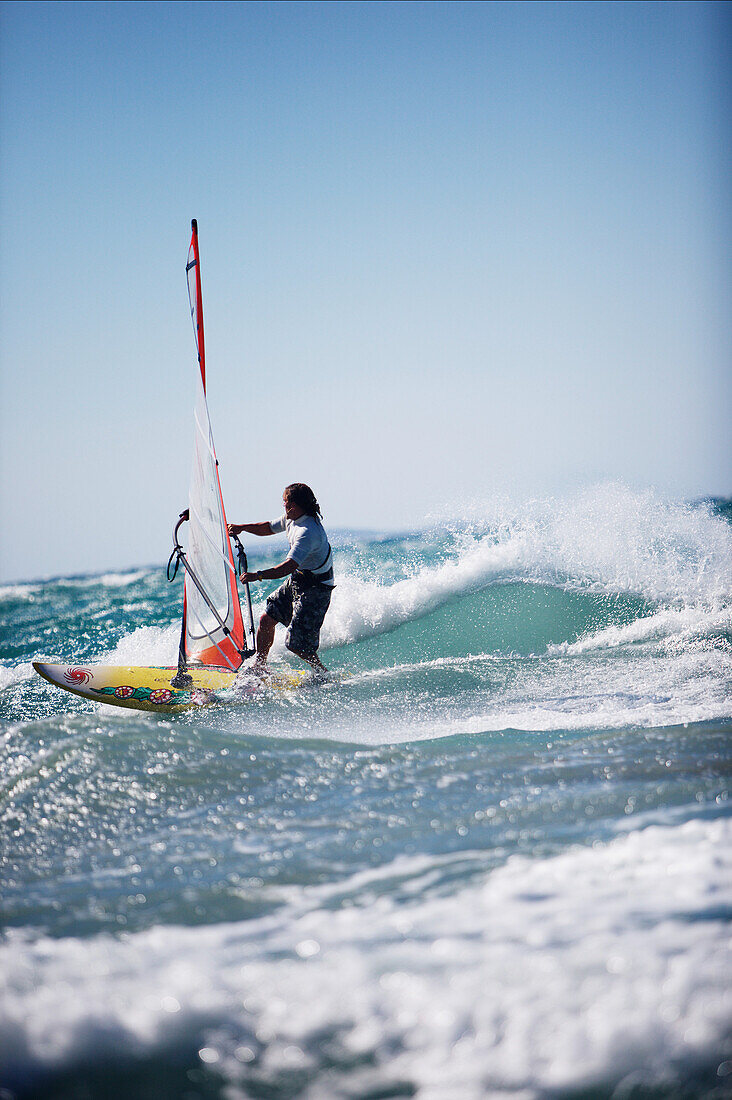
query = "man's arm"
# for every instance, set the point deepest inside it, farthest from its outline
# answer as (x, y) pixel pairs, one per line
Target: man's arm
(274, 574)
(250, 528)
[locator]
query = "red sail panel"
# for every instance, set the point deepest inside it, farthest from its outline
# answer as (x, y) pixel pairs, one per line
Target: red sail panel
(195, 297)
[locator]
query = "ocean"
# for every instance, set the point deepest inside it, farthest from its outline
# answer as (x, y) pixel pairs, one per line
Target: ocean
(491, 858)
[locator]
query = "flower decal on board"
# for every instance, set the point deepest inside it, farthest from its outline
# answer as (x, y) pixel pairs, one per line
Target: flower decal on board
(161, 695)
(77, 676)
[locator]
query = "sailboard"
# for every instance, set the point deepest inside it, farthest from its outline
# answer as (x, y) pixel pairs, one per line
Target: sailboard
(215, 637)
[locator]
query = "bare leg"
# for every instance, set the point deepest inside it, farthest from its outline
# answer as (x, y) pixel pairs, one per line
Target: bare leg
(265, 638)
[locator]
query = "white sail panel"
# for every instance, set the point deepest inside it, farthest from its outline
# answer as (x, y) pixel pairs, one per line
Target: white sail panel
(208, 543)
(214, 630)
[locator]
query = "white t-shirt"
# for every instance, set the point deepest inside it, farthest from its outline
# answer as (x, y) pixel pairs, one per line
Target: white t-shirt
(308, 543)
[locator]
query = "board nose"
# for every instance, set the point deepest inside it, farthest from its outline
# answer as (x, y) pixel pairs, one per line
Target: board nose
(46, 671)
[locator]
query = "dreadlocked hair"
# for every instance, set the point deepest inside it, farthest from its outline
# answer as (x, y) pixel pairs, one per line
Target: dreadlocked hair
(304, 497)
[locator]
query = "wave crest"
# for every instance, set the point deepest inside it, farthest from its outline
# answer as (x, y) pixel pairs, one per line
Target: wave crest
(608, 540)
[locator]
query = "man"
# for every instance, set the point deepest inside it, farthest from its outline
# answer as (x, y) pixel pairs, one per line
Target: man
(302, 601)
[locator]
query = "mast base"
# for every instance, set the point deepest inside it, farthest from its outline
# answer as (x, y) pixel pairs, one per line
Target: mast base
(181, 680)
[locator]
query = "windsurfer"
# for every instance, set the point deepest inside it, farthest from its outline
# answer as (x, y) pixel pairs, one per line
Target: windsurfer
(302, 601)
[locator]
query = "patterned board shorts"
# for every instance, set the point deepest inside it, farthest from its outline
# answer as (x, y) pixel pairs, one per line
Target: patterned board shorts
(302, 610)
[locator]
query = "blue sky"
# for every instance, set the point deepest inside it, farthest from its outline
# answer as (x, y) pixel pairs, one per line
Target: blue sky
(449, 251)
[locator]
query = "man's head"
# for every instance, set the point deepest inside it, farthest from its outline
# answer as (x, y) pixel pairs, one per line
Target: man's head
(299, 500)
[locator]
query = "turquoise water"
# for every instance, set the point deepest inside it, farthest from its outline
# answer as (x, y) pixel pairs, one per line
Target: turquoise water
(492, 858)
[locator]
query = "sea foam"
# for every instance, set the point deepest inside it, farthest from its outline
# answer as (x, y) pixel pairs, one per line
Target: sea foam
(11, 675)
(146, 645)
(586, 969)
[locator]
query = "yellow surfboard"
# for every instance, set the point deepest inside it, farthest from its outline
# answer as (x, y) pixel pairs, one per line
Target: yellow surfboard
(140, 687)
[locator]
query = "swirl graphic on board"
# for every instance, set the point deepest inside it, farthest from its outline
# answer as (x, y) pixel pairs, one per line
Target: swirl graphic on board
(77, 676)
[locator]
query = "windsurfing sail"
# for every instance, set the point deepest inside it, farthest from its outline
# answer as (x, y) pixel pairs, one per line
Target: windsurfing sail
(213, 629)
